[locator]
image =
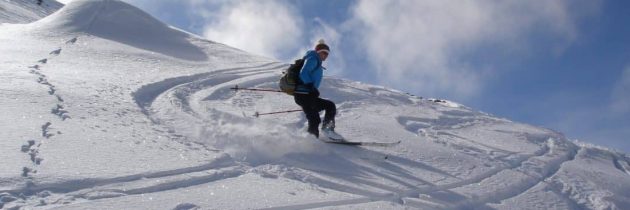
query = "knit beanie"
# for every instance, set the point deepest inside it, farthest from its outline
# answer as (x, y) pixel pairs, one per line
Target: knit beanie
(321, 46)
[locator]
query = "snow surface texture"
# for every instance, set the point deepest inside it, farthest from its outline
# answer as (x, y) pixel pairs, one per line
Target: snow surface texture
(105, 107)
(26, 11)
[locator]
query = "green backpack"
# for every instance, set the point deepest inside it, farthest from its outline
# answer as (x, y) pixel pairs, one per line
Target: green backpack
(291, 77)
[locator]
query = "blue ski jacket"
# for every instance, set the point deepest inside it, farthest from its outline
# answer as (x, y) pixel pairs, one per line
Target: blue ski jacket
(311, 73)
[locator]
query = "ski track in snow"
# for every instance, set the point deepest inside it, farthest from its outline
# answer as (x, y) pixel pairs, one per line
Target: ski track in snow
(71, 191)
(415, 192)
(535, 167)
(524, 171)
(429, 197)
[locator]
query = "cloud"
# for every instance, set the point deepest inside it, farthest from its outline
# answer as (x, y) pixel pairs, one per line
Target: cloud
(262, 27)
(274, 28)
(323, 30)
(620, 95)
(428, 45)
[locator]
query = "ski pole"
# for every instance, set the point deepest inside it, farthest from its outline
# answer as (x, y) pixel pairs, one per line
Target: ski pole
(257, 114)
(236, 88)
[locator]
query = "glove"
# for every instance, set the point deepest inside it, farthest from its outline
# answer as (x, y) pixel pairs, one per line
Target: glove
(315, 92)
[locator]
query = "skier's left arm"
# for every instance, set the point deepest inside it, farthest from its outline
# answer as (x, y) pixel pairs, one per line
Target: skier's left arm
(306, 74)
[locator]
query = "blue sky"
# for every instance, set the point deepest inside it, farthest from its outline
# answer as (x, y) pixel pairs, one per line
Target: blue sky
(562, 64)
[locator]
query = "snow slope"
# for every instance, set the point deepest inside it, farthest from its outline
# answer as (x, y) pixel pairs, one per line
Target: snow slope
(105, 107)
(26, 11)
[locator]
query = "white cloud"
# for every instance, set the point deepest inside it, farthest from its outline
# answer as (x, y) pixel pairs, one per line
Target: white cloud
(323, 30)
(274, 28)
(262, 27)
(621, 93)
(422, 44)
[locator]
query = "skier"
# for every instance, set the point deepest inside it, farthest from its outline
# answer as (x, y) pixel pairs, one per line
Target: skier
(307, 93)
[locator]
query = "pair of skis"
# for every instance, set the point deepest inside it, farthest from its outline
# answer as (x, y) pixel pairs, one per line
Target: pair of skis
(338, 139)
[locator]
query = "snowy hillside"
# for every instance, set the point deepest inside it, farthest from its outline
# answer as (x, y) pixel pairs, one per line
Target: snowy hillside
(105, 107)
(26, 11)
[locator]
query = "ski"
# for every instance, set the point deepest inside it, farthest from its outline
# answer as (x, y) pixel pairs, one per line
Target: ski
(361, 143)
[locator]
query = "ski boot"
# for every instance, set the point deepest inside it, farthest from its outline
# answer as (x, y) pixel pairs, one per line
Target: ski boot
(328, 129)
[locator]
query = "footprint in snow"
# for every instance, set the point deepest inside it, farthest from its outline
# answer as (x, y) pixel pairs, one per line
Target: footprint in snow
(186, 206)
(26, 171)
(27, 147)
(44, 61)
(60, 112)
(72, 41)
(45, 130)
(34, 154)
(42, 80)
(56, 52)
(51, 90)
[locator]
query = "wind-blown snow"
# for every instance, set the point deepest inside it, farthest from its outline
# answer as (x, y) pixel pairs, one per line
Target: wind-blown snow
(106, 107)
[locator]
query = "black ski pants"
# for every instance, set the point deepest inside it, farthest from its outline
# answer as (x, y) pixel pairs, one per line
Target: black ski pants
(311, 105)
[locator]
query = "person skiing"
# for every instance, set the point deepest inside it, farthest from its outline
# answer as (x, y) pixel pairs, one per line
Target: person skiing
(307, 94)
